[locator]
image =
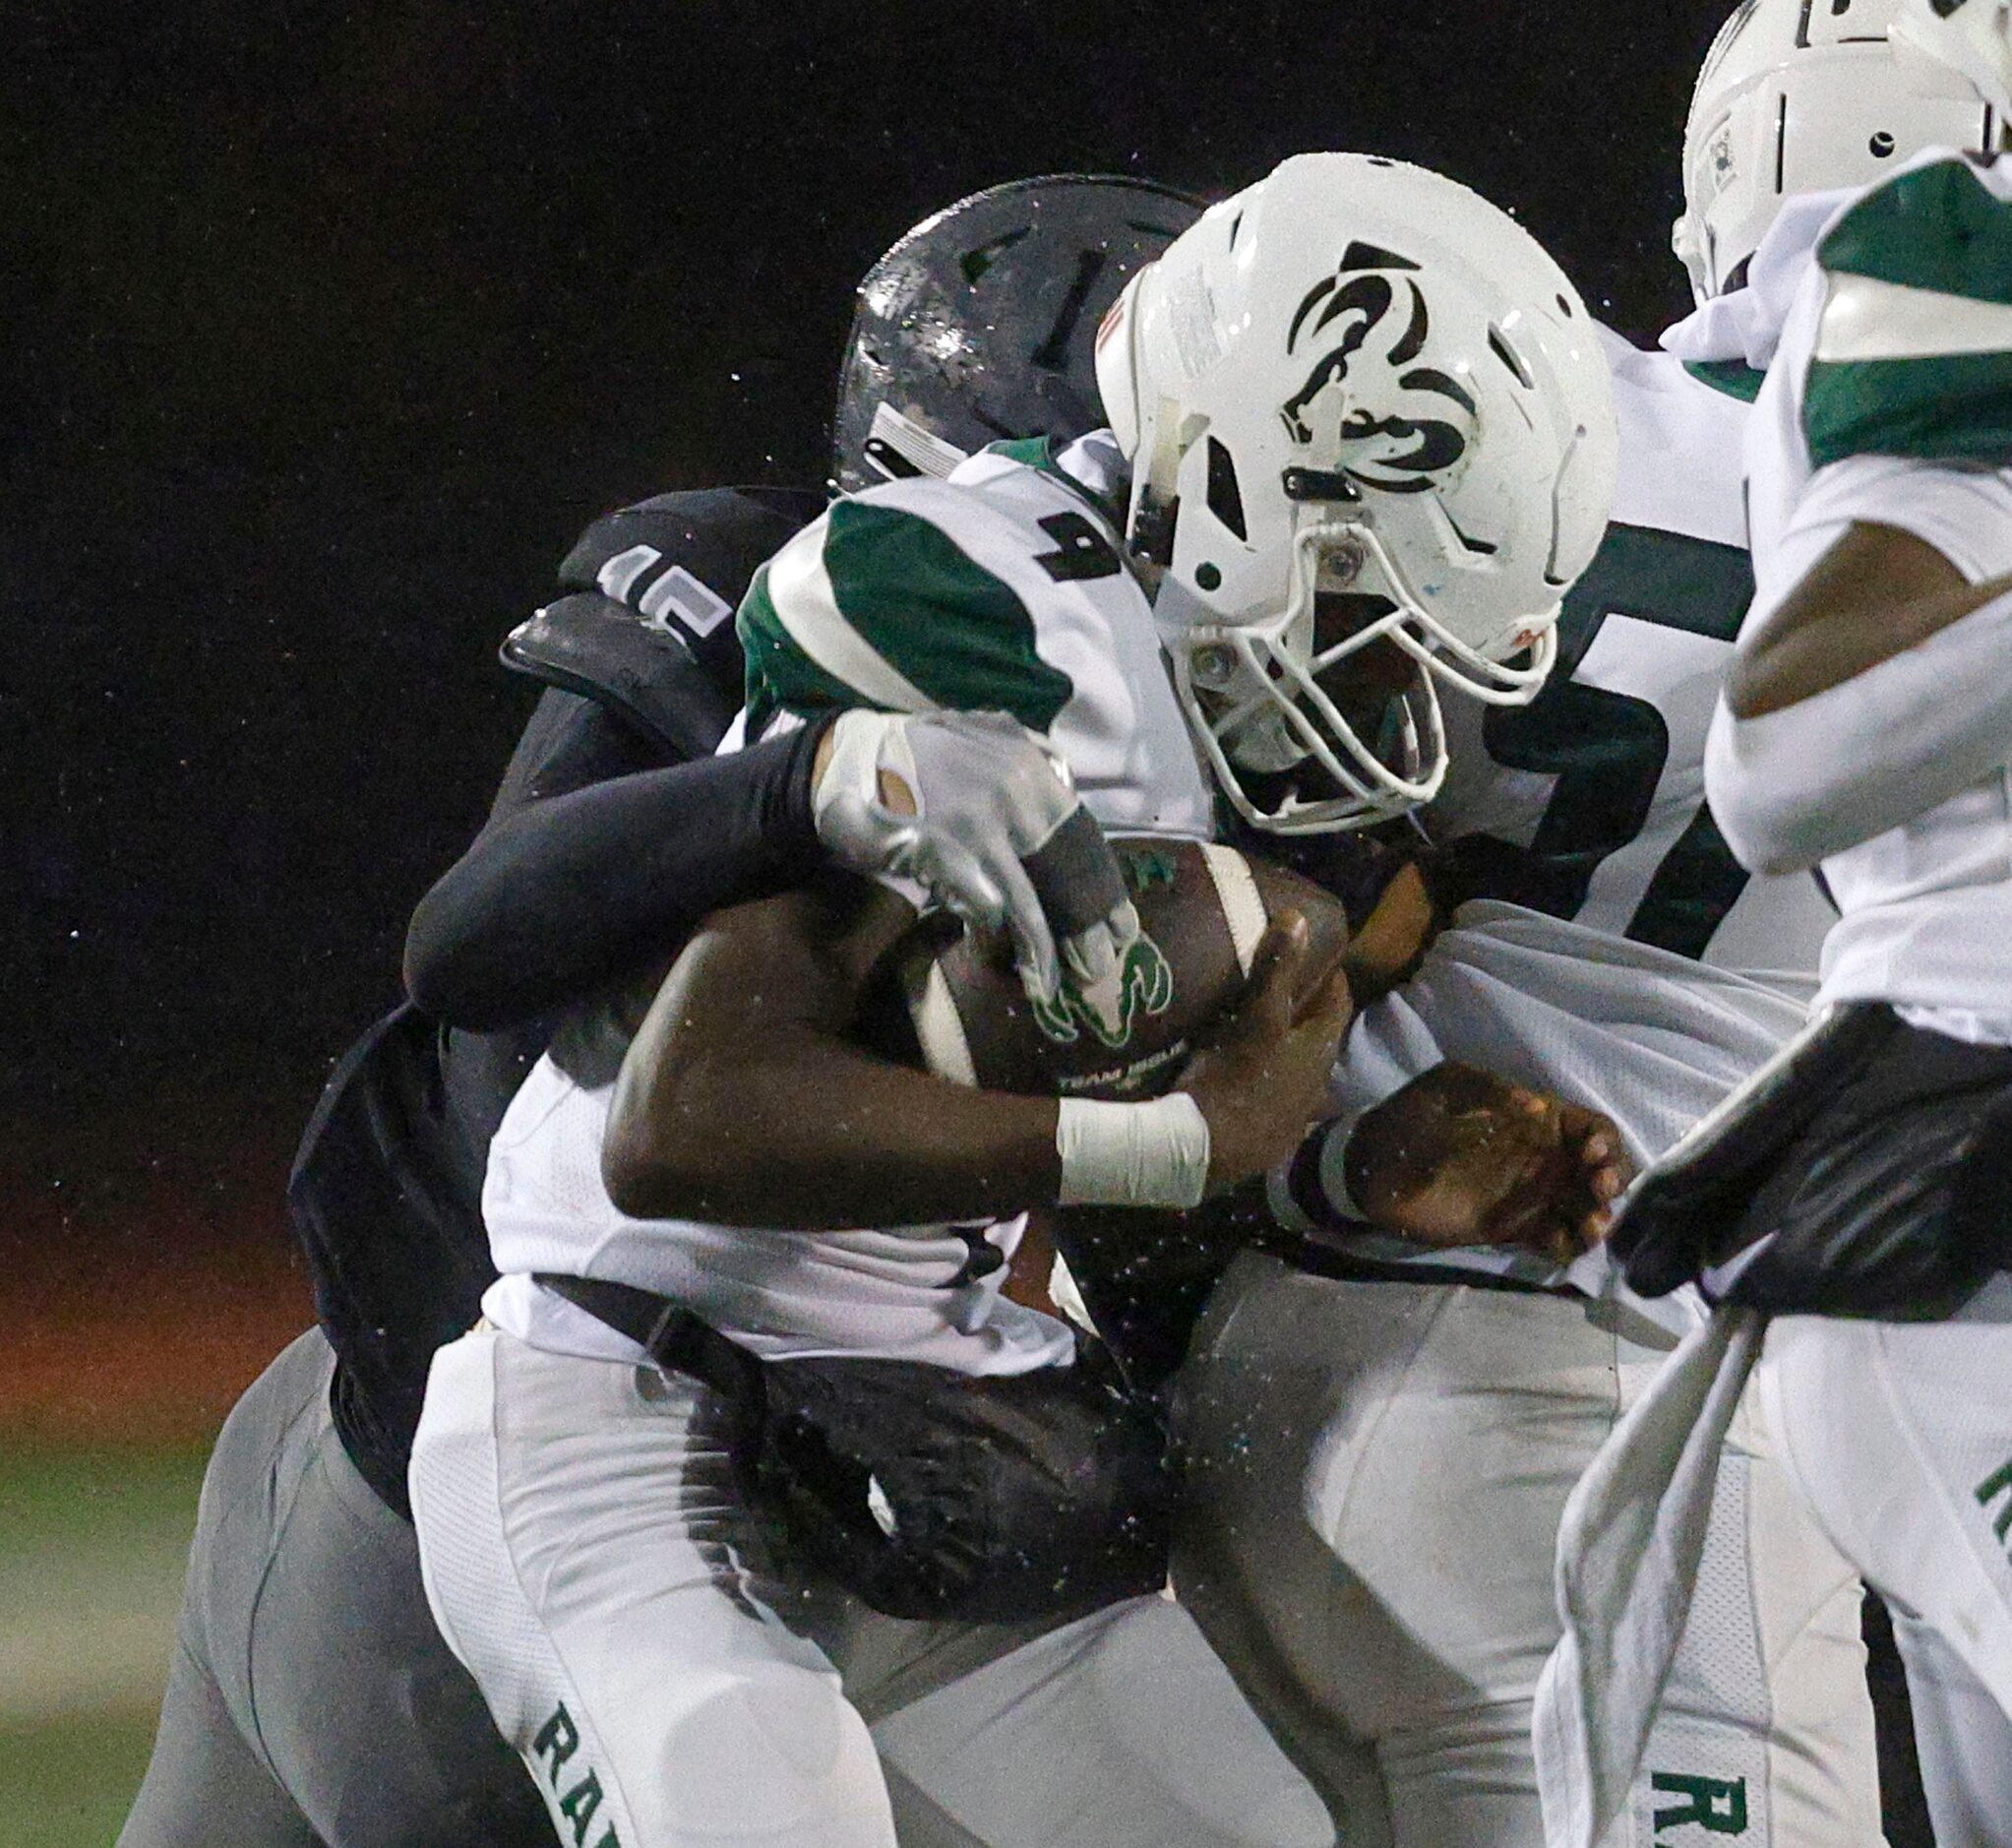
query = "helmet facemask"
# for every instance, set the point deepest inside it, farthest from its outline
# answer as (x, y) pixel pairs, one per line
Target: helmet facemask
(1319, 717)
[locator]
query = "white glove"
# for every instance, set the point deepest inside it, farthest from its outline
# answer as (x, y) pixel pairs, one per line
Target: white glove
(995, 833)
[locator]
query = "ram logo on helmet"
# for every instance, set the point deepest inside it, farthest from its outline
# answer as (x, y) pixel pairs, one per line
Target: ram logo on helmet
(1390, 423)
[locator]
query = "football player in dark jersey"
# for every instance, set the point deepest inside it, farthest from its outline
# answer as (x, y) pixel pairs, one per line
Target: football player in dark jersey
(310, 1696)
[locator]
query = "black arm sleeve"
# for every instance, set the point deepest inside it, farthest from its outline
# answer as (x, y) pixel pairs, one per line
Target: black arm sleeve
(596, 857)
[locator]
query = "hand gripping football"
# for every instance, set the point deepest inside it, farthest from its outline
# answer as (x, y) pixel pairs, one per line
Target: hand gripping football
(1202, 909)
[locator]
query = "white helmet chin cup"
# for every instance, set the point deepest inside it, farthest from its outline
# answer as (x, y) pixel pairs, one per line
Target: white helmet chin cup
(1801, 97)
(1372, 445)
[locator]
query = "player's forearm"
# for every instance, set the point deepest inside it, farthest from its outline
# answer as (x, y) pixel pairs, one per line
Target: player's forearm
(555, 899)
(1877, 592)
(742, 1099)
(1791, 784)
(816, 1136)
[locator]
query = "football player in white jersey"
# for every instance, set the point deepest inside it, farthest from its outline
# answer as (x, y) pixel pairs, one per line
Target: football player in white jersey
(1380, 1465)
(578, 1523)
(1861, 731)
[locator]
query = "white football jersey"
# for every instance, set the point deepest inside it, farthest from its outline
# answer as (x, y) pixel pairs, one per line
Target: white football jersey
(1001, 589)
(924, 1293)
(1594, 793)
(1885, 403)
(1618, 955)
(1650, 1038)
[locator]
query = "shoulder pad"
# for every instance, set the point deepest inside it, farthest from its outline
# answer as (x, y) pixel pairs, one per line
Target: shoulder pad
(1091, 469)
(590, 644)
(681, 563)
(1914, 351)
(1941, 226)
(908, 597)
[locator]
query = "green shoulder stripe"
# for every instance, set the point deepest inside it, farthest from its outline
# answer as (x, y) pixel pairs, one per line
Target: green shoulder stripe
(1937, 227)
(1735, 377)
(1030, 452)
(1914, 356)
(1946, 408)
(780, 675)
(959, 633)
(880, 606)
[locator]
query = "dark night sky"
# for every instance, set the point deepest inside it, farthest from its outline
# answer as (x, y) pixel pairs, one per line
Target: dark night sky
(333, 325)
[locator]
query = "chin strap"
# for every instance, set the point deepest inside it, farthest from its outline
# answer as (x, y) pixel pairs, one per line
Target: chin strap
(900, 449)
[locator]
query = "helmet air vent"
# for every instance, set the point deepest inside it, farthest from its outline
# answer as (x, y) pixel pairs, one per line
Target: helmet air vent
(1511, 358)
(1480, 548)
(1224, 500)
(975, 263)
(1052, 355)
(1320, 484)
(1362, 256)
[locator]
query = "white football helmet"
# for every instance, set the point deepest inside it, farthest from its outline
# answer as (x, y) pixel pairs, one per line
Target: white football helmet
(1971, 37)
(1372, 444)
(1802, 96)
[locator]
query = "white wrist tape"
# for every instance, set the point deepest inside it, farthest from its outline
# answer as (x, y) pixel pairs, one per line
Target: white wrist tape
(1322, 1198)
(1150, 1154)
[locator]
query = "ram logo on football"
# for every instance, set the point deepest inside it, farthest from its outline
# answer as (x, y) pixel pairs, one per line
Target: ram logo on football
(1202, 910)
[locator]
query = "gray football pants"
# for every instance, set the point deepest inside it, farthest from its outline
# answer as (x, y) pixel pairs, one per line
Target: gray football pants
(312, 1703)
(310, 1699)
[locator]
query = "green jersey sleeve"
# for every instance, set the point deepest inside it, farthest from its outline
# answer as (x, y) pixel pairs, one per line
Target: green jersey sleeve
(1000, 589)
(883, 605)
(1913, 352)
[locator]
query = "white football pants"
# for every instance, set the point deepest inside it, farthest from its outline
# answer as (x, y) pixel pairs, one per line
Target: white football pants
(1375, 1476)
(1899, 1437)
(586, 1556)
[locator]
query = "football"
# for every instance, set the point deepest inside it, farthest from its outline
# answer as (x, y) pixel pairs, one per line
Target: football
(1202, 910)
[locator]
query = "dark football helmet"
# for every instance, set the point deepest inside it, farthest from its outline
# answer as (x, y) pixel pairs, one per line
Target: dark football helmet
(981, 323)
